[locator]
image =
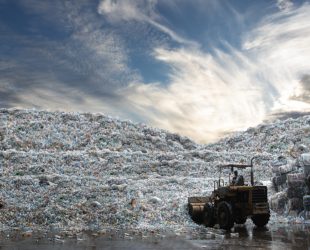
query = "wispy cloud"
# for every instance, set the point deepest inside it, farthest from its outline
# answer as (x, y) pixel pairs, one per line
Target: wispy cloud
(206, 93)
(281, 48)
(127, 10)
(285, 5)
(303, 91)
(139, 10)
(88, 59)
(210, 94)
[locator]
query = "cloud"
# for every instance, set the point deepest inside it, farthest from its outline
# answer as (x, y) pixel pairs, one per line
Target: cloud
(86, 57)
(205, 95)
(281, 48)
(305, 84)
(285, 5)
(127, 10)
(211, 94)
(140, 11)
(285, 115)
(208, 92)
(303, 93)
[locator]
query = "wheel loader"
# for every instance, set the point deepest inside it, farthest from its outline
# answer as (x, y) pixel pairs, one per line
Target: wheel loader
(231, 202)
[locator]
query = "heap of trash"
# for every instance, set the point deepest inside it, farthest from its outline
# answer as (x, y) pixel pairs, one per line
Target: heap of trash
(82, 171)
(288, 142)
(291, 181)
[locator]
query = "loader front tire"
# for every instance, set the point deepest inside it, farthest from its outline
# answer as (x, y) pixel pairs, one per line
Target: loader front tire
(240, 220)
(208, 215)
(225, 215)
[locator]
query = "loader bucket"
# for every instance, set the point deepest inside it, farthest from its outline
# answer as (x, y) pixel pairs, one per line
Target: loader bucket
(195, 208)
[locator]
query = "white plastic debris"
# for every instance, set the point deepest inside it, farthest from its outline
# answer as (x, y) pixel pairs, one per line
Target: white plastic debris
(210, 236)
(96, 204)
(219, 236)
(76, 172)
(155, 200)
(234, 235)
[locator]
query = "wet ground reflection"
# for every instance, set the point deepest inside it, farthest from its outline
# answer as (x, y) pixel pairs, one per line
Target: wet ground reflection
(249, 237)
(242, 237)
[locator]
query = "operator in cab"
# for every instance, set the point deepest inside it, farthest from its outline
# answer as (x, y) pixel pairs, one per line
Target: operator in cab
(237, 180)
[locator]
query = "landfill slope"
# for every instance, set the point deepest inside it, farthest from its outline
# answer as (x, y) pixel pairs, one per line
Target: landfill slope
(73, 171)
(288, 138)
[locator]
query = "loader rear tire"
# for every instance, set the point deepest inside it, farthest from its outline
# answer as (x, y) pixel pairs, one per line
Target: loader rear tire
(260, 220)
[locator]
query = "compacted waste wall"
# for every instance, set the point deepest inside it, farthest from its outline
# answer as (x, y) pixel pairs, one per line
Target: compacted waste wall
(78, 171)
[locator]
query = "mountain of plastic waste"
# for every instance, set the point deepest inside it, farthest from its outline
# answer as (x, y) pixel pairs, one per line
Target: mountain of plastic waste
(77, 171)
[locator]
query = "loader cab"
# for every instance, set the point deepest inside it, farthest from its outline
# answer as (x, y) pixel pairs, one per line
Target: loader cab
(235, 175)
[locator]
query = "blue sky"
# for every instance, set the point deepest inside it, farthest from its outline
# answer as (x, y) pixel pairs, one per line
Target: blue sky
(201, 68)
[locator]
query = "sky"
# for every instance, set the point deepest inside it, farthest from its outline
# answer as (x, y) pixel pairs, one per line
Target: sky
(200, 68)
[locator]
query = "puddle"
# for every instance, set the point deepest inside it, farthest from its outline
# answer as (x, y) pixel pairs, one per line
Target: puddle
(243, 237)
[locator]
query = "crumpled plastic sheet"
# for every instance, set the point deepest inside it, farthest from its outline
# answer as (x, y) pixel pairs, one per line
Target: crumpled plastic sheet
(295, 177)
(278, 202)
(297, 190)
(304, 159)
(304, 162)
(295, 204)
(89, 171)
(293, 185)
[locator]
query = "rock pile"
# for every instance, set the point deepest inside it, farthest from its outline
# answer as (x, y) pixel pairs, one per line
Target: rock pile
(77, 171)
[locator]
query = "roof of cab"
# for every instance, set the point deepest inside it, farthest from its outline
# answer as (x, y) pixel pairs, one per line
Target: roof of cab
(229, 165)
